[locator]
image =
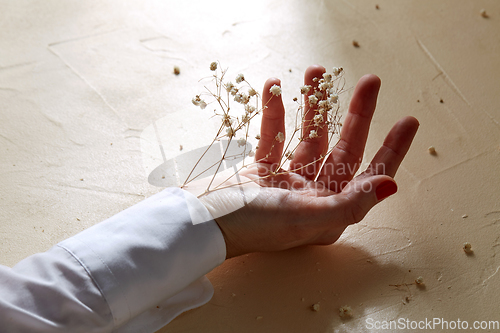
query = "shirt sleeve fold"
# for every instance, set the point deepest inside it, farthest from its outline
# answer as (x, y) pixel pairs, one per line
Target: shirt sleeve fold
(134, 272)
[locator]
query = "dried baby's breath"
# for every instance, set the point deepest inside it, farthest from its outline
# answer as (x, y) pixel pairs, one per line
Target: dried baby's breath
(313, 100)
(240, 78)
(275, 90)
(280, 137)
(227, 98)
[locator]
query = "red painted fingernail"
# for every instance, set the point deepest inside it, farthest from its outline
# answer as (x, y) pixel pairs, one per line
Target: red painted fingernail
(385, 189)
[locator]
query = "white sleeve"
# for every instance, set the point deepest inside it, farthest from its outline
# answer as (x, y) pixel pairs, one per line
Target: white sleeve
(134, 272)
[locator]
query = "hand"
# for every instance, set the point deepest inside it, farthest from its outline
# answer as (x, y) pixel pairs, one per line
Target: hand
(293, 209)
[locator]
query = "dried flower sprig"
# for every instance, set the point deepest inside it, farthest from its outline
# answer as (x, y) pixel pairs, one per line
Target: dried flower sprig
(237, 104)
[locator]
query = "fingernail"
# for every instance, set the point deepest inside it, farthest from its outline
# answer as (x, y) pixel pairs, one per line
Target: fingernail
(385, 189)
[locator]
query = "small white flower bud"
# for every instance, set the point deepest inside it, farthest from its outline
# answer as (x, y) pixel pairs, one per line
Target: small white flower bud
(240, 78)
(275, 90)
(313, 100)
(241, 142)
(229, 86)
(304, 89)
(337, 70)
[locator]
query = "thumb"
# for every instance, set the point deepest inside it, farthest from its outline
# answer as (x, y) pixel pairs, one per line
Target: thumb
(364, 192)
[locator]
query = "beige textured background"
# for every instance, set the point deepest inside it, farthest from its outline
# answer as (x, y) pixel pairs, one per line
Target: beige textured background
(81, 80)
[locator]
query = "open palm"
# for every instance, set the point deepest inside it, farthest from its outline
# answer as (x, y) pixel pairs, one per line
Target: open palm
(313, 204)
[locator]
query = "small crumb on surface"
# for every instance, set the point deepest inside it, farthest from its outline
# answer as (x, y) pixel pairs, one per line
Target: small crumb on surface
(432, 150)
(465, 216)
(303, 299)
(419, 280)
(181, 147)
(441, 101)
(377, 7)
(355, 43)
(315, 307)
(259, 318)
(467, 247)
(177, 70)
(483, 13)
(345, 311)
(233, 294)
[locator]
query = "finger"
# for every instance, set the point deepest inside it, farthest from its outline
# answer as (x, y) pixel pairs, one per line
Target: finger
(345, 159)
(350, 206)
(270, 148)
(306, 160)
(363, 193)
(395, 147)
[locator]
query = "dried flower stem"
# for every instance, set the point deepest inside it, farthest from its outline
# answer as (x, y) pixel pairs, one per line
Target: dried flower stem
(321, 118)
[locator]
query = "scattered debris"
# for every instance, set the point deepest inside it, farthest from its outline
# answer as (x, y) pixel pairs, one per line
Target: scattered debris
(467, 247)
(465, 216)
(483, 13)
(315, 307)
(259, 318)
(441, 101)
(181, 147)
(345, 311)
(377, 7)
(419, 280)
(355, 43)
(177, 70)
(432, 150)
